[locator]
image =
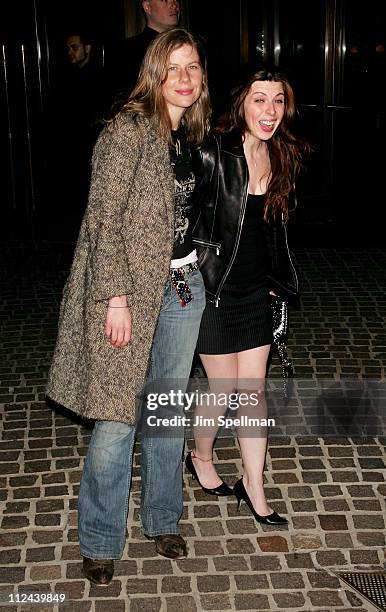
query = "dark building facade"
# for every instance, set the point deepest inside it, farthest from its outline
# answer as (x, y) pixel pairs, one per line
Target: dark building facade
(333, 50)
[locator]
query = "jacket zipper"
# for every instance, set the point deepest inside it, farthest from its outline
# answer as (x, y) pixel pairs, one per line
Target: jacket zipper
(290, 260)
(210, 245)
(241, 221)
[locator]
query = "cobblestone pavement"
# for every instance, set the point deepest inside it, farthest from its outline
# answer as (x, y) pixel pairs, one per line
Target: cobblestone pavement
(333, 489)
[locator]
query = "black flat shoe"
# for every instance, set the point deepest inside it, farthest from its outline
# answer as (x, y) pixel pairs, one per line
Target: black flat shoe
(170, 545)
(98, 571)
(221, 490)
(270, 519)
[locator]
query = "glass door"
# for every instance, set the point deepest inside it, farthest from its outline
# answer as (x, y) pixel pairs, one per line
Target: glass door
(335, 55)
(360, 119)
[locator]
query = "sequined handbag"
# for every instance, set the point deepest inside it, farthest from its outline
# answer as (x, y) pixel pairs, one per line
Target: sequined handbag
(279, 308)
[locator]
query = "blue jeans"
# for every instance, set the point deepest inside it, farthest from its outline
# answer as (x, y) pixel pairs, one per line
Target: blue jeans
(104, 489)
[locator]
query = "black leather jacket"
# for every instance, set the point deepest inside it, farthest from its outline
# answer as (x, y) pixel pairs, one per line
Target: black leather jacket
(221, 193)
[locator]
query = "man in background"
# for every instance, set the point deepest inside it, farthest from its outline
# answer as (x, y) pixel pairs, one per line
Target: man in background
(78, 50)
(77, 101)
(160, 15)
(81, 83)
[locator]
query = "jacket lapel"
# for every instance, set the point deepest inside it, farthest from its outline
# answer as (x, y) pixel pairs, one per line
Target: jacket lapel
(159, 156)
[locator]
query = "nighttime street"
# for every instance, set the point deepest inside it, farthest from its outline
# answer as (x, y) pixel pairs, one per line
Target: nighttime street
(192, 231)
(332, 489)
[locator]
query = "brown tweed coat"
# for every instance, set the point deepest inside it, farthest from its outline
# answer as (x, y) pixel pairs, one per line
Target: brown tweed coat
(124, 247)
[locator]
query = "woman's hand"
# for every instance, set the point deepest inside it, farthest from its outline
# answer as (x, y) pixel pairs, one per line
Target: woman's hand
(118, 322)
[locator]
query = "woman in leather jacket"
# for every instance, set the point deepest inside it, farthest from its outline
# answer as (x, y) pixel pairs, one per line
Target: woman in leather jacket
(248, 169)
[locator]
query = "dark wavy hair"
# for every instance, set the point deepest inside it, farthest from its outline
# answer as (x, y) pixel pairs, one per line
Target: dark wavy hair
(147, 98)
(286, 150)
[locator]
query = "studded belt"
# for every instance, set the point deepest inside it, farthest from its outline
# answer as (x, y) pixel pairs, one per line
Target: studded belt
(178, 280)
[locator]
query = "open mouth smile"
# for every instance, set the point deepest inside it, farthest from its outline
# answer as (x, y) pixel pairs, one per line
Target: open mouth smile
(266, 125)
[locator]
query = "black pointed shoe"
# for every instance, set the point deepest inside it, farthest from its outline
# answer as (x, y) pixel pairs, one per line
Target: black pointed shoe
(221, 490)
(98, 571)
(269, 519)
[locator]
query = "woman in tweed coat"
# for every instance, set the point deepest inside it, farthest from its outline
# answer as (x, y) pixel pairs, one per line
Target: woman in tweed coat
(122, 305)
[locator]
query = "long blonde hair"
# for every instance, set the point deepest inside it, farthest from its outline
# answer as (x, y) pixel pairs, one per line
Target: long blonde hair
(147, 98)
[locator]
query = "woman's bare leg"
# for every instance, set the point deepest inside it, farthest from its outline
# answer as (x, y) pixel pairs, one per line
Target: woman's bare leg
(221, 371)
(252, 365)
(245, 368)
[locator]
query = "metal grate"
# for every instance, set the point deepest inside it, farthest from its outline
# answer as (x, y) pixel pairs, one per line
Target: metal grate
(371, 585)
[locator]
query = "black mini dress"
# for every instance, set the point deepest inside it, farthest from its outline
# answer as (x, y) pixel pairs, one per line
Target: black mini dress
(242, 320)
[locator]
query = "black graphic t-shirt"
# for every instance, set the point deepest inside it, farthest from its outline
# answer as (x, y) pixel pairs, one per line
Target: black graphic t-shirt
(185, 215)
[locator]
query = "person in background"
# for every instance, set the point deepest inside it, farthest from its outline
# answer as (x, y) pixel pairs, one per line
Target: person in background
(248, 167)
(82, 90)
(77, 102)
(124, 66)
(134, 296)
(79, 50)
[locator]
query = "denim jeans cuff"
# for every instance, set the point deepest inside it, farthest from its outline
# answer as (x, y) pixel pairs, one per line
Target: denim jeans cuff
(161, 532)
(102, 555)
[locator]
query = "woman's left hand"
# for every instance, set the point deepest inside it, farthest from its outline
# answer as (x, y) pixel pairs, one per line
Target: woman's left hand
(118, 322)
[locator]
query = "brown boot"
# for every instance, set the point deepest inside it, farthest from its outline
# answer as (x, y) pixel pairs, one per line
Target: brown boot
(170, 545)
(98, 571)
